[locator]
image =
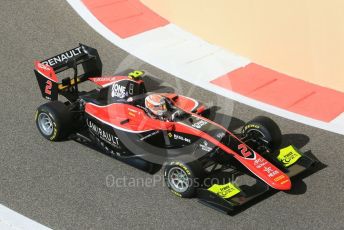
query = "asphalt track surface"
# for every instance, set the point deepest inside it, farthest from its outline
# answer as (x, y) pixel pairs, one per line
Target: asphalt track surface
(63, 185)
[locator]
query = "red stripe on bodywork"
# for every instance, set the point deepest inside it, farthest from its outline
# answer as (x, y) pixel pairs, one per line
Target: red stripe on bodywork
(125, 17)
(283, 91)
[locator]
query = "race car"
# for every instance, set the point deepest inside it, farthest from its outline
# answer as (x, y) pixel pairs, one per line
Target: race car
(148, 129)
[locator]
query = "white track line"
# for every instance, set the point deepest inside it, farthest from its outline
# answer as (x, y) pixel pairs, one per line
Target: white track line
(11, 220)
(190, 58)
(182, 54)
(339, 121)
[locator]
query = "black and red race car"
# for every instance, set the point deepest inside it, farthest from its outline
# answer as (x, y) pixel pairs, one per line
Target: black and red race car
(200, 157)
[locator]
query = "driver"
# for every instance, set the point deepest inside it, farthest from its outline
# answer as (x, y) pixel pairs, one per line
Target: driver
(156, 106)
(160, 107)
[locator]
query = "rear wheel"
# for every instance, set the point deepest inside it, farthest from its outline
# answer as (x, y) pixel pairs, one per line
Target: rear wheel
(54, 120)
(183, 178)
(262, 132)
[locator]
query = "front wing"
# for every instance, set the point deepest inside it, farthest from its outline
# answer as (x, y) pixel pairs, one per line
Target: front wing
(229, 191)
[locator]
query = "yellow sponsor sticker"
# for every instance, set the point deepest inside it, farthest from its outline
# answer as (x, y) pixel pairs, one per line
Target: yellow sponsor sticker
(135, 74)
(225, 191)
(288, 156)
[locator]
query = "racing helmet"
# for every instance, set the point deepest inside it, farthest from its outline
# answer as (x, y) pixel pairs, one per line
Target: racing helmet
(156, 104)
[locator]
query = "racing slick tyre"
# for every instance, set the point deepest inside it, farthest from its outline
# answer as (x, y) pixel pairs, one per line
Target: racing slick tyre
(182, 179)
(263, 131)
(54, 120)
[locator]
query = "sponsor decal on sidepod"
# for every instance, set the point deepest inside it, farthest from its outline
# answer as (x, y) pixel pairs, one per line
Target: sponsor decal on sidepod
(103, 134)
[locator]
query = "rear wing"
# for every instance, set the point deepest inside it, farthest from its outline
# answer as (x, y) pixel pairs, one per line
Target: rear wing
(47, 71)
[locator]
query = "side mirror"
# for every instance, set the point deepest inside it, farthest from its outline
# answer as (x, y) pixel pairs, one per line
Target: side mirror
(124, 121)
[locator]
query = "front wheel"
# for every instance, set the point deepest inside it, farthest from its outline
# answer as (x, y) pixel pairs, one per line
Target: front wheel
(262, 132)
(183, 178)
(53, 120)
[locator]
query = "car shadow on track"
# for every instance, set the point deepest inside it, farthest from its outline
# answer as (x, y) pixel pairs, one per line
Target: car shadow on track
(299, 187)
(296, 139)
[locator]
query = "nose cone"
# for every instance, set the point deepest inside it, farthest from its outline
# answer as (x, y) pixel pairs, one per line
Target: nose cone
(283, 184)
